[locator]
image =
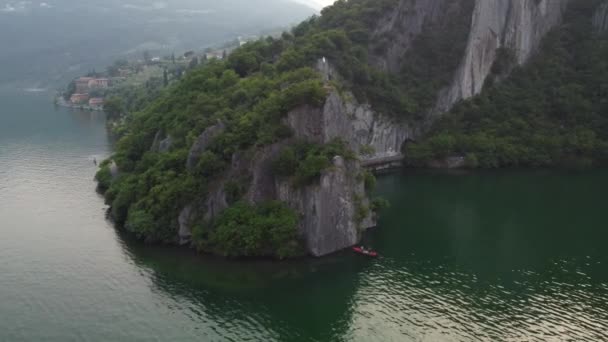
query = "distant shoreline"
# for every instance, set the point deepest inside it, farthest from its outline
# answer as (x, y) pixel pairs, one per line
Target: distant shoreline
(59, 101)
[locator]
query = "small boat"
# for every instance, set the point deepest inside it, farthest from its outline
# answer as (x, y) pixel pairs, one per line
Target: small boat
(365, 251)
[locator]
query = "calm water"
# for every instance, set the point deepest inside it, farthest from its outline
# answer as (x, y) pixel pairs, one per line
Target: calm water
(493, 256)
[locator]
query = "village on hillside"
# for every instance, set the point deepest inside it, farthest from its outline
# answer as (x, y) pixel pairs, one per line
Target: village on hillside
(90, 91)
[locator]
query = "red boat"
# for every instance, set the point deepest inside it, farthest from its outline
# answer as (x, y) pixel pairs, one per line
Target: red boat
(365, 251)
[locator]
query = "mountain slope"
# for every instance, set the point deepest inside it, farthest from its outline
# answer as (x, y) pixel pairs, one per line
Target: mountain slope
(549, 112)
(46, 40)
(280, 134)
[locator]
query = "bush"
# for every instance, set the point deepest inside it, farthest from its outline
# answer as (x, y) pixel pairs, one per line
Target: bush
(268, 229)
(379, 204)
(369, 180)
(287, 163)
(471, 161)
(104, 177)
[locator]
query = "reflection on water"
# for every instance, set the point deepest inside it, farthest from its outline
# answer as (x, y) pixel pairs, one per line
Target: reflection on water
(490, 256)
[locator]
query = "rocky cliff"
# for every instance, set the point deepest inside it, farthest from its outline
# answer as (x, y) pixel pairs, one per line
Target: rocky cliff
(333, 211)
(241, 115)
(518, 26)
(494, 24)
(600, 19)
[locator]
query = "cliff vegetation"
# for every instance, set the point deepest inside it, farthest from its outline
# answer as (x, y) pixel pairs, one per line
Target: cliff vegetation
(551, 111)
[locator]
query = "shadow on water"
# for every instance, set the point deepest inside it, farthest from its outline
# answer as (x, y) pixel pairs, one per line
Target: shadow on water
(465, 255)
(300, 300)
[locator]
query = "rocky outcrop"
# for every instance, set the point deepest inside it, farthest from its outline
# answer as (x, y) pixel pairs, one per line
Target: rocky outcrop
(114, 171)
(400, 28)
(600, 18)
(453, 162)
(518, 25)
(373, 136)
(333, 212)
(161, 143)
(515, 25)
(184, 221)
(202, 143)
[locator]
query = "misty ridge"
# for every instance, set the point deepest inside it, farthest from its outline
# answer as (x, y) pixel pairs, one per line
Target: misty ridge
(46, 41)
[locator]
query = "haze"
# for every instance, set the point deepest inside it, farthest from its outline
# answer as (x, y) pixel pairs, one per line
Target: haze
(50, 40)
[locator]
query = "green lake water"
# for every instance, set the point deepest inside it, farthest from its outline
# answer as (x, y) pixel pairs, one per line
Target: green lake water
(492, 256)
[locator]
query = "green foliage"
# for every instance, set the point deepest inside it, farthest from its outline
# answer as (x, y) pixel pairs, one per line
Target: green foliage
(304, 162)
(235, 190)
(361, 210)
(114, 107)
(550, 112)
(268, 229)
(379, 204)
(250, 92)
(104, 177)
(250, 96)
(287, 163)
(369, 180)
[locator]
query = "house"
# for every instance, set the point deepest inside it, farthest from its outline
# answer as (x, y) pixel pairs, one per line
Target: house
(79, 98)
(96, 102)
(82, 84)
(97, 83)
(215, 55)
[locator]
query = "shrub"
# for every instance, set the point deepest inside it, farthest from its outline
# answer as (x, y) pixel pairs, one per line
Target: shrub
(268, 229)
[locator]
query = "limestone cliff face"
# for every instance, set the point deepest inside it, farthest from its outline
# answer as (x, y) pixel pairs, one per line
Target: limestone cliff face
(333, 211)
(373, 136)
(600, 19)
(407, 22)
(330, 209)
(332, 214)
(516, 25)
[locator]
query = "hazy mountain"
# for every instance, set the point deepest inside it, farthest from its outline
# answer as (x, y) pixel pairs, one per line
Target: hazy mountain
(43, 40)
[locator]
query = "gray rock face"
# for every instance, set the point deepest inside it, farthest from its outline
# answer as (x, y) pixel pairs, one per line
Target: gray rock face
(114, 170)
(165, 145)
(185, 231)
(157, 138)
(372, 135)
(161, 143)
(405, 24)
(202, 143)
(600, 19)
(454, 162)
(517, 25)
(333, 212)
(329, 209)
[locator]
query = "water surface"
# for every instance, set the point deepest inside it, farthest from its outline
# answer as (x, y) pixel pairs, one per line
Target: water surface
(513, 256)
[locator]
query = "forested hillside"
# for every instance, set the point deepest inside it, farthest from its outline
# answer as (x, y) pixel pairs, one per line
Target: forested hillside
(552, 111)
(243, 155)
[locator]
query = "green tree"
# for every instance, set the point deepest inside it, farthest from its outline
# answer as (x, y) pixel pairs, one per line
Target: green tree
(114, 107)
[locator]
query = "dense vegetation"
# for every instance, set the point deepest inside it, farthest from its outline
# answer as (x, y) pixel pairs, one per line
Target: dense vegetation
(154, 186)
(249, 92)
(243, 230)
(344, 34)
(554, 110)
(551, 110)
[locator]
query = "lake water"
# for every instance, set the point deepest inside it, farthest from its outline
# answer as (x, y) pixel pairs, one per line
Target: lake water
(518, 255)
